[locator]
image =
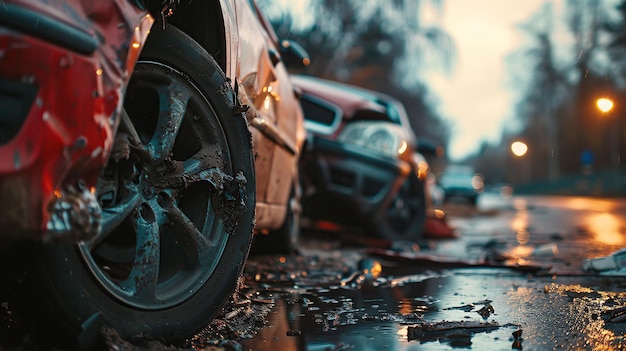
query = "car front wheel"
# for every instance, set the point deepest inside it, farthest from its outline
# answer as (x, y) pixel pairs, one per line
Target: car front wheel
(405, 217)
(178, 197)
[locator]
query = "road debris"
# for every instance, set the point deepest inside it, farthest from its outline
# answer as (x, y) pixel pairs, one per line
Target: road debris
(613, 264)
(616, 315)
(486, 311)
(517, 340)
(442, 262)
(417, 332)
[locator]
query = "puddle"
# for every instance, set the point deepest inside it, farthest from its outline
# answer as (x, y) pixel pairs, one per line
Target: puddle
(394, 311)
(408, 308)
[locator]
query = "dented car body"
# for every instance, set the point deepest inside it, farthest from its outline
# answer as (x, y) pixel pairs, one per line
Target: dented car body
(361, 162)
(127, 157)
(46, 51)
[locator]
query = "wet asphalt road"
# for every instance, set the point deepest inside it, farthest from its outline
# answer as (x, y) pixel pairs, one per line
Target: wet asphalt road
(434, 298)
(511, 280)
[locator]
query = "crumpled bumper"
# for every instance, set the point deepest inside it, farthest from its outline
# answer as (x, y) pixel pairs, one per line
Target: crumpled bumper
(351, 184)
(63, 69)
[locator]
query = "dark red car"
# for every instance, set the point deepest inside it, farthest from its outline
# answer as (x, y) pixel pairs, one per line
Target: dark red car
(361, 167)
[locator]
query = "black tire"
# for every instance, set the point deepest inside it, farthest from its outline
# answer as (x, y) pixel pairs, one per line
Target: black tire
(405, 216)
(177, 213)
(285, 239)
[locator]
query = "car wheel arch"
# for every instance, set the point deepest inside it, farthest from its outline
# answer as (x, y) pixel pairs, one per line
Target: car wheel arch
(206, 22)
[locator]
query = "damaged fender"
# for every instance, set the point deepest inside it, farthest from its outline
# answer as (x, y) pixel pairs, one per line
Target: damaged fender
(64, 65)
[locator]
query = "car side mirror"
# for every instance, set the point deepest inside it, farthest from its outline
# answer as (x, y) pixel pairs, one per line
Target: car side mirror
(293, 54)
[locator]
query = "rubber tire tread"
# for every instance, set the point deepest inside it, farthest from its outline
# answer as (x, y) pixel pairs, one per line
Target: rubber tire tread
(71, 295)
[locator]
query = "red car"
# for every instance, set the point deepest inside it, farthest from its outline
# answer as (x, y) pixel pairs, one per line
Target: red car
(361, 165)
(127, 173)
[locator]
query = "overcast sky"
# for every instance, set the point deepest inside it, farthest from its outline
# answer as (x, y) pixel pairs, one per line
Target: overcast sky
(474, 98)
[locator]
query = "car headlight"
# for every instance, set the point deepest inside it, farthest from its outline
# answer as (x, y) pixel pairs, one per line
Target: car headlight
(421, 166)
(478, 183)
(379, 137)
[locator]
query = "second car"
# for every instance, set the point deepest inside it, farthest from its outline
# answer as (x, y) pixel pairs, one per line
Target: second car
(360, 164)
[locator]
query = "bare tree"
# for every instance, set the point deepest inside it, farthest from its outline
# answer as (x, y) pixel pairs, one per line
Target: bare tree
(381, 45)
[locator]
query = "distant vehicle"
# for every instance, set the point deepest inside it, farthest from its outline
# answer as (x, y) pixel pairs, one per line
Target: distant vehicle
(461, 182)
(360, 166)
(437, 195)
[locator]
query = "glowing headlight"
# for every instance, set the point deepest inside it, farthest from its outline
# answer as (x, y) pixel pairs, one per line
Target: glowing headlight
(382, 137)
(422, 166)
(478, 183)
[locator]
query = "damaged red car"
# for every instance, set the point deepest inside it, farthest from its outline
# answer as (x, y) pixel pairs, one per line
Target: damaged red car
(362, 167)
(127, 173)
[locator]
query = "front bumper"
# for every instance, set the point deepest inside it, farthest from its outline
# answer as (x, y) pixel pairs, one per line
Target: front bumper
(63, 68)
(351, 184)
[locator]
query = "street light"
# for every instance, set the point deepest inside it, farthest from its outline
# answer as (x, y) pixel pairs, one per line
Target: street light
(519, 148)
(606, 105)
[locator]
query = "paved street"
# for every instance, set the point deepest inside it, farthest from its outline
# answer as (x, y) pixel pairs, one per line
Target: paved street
(448, 303)
(511, 280)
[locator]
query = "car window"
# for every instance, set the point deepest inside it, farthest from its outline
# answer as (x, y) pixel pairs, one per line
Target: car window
(456, 178)
(320, 116)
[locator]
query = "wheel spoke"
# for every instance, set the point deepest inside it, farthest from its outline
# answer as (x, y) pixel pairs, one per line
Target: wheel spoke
(395, 214)
(112, 217)
(127, 127)
(174, 100)
(195, 245)
(208, 158)
(143, 277)
(215, 225)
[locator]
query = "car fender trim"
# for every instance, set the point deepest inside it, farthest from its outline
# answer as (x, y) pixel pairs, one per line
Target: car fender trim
(47, 29)
(275, 134)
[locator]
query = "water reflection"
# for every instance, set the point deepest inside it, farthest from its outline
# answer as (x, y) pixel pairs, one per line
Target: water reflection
(377, 315)
(607, 228)
(599, 224)
(520, 221)
(381, 315)
(586, 203)
(283, 330)
(379, 307)
(523, 236)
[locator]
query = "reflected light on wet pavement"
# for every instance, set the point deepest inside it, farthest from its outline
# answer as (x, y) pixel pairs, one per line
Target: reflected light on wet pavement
(387, 305)
(576, 319)
(607, 228)
(520, 221)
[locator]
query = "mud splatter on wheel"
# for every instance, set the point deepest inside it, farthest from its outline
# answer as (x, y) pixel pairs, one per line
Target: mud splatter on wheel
(178, 199)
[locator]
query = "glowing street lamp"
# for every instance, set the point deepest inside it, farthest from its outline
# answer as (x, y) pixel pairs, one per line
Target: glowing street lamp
(519, 148)
(606, 105)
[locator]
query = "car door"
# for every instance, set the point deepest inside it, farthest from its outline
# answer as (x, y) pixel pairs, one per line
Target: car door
(274, 114)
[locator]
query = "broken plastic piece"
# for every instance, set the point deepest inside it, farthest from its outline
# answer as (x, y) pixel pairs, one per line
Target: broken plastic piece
(74, 215)
(614, 262)
(437, 228)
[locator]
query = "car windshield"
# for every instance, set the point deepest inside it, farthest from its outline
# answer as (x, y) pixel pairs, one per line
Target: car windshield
(456, 179)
